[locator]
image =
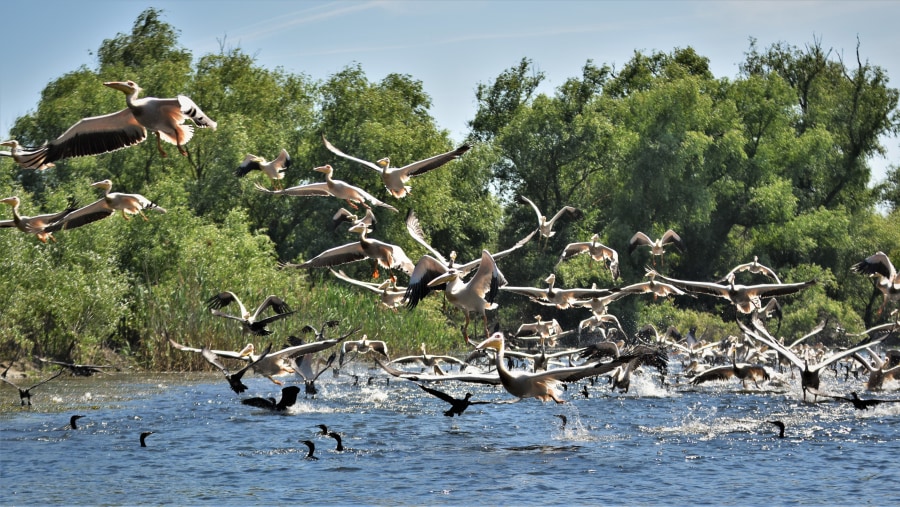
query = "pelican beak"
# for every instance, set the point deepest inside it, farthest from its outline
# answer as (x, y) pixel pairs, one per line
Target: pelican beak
(119, 85)
(323, 169)
(493, 342)
(384, 162)
(446, 277)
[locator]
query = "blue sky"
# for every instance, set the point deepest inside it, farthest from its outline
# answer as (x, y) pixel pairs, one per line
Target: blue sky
(451, 46)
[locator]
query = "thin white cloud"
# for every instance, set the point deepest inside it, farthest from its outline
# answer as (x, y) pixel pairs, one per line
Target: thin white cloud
(272, 27)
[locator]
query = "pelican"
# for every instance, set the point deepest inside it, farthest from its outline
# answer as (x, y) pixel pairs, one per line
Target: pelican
(17, 154)
(363, 346)
(436, 262)
(746, 298)
(658, 247)
(250, 322)
(275, 363)
(330, 187)
(753, 267)
(303, 368)
(391, 295)
(879, 266)
(560, 298)
(384, 254)
(544, 385)
(274, 169)
(36, 224)
(878, 369)
(540, 327)
(472, 378)
(598, 251)
(395, 178)
(809, 376)
(457, 405)
(102, 134)
(106, 206)
(25, 393)
(744, 372)
(428, 360)
(342, 215)
(288, 398)
(477, 295)
(234, 379)
(546, 226)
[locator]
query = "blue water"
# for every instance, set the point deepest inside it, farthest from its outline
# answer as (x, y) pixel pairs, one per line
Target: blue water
(653, 446)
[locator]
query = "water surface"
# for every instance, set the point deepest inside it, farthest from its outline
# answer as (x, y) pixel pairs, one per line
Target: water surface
(653, 446)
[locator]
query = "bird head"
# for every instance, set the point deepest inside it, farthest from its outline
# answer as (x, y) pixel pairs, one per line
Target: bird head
(247, 350)
(12, 201)
(127, 87)
(384, 163)
(326, 169)
(12, 143)
(550, 280)
(104, 184)
(495, 342)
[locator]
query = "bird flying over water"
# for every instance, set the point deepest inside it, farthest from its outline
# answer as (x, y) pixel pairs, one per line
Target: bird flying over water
(250, 322)
(457, 405)
(288, 398)
(25, 392)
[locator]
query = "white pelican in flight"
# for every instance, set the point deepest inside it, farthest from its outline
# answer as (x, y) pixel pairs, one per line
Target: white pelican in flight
(102, 134)
(273, 169)
(395, 178)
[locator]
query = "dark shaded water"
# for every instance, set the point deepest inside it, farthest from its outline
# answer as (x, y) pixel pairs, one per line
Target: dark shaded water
(707, 445)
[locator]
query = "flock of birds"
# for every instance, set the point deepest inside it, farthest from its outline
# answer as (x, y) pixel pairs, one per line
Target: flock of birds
(527, 363)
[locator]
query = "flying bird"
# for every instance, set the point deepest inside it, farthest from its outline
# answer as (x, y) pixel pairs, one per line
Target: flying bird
(657, 247)
(102, 134)
(36, 224)
(545, 226)
(331, 187)
(457, 405)
(395, 178)
(475, 295)
(234, 379)
(106, 206)
(386, 255)
(879, 266)
(19, 155)
(273, 169)
(288, 398)
(599, 252)
(861, 404)
(746, 298)
(753, 267)
(25, 392)
(250, 322)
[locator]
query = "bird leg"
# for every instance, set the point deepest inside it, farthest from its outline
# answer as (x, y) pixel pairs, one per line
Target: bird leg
(352, 204)
(126, 217)
(182, 150)
(162, 152)
(276, 381)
